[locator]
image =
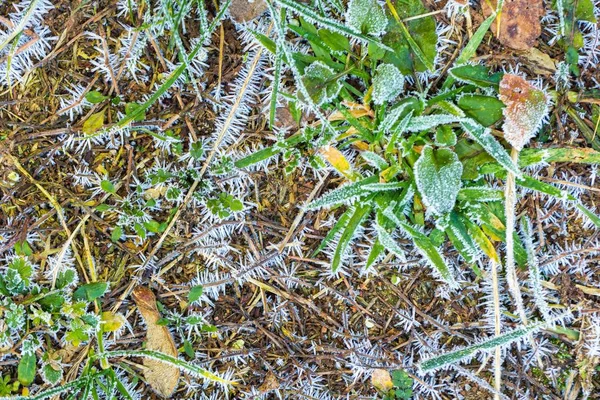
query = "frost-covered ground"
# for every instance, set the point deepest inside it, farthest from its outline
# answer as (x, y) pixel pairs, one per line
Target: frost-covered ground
(122, 129)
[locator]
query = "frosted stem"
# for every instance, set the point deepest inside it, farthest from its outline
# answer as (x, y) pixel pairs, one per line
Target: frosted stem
(497, 351)
(511, 273)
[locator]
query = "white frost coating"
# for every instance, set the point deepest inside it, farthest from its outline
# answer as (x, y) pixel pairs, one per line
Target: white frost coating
(319, 71)
(366, 16)
(24, 39)
(388, 83)
(438, 177)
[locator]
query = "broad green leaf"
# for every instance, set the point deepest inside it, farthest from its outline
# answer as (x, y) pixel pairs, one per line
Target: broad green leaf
(107, 186)
(90, 291)
(335, 41)
(478, 75)
(95, 97)
(195, 293)
(438, 177)
(27, 368)
(52, 374)
(321, 83)
(116, 234)
(414, 42)
(486, 110)
(445, 136)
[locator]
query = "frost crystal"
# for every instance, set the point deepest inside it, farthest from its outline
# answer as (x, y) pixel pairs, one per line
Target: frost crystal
(388, 83)
(366, 16)
(526, 109)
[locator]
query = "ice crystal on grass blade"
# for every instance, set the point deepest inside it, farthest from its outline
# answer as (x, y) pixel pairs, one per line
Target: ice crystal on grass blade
(366, 16)
(388, 83)
(24, 38)
(525, 111)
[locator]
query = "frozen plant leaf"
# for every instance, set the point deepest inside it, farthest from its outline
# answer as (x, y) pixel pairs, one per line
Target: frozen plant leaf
(321, 83)
(388, 83)
(382, 380)
(438, 173)
(519, 22)
(366, 16)
(163, 378)
(525, 111)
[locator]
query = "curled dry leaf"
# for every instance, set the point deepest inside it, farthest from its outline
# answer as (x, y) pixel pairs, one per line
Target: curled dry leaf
(163, 378)
(526, 108)
(519, 22)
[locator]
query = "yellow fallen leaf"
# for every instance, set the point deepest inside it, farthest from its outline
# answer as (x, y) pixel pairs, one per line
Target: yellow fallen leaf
(337, 160)
(382, 380)
(163, 378)
(93, 123)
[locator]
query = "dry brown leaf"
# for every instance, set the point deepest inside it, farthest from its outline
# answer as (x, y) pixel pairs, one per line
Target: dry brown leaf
(382, 380)
(270, 383)
(163, 378)
(539, 62)
(520, 24)
(246, 10)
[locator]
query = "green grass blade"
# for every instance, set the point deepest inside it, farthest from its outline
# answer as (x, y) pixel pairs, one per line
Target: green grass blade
(485, 139)
(471, 47)
(457, 356)
(430, 252)
(343, 194)
(182, 365)
(358, 216)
